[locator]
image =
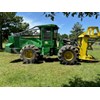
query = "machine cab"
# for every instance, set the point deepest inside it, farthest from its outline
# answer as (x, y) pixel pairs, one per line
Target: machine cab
(49, 38)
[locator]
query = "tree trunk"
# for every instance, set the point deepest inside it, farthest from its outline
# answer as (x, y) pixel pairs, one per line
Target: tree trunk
(0, 39)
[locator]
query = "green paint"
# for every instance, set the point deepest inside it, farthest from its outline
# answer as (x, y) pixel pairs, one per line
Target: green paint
(45, 40)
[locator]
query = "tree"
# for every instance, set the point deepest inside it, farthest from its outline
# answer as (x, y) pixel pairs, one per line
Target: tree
(9, 22)
(64, 36)
(76, 30)
(80, 15)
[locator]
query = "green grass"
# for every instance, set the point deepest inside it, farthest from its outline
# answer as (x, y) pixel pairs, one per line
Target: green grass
(51, 74)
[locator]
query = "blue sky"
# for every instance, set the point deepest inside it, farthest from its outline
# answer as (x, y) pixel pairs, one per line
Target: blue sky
(65, 24)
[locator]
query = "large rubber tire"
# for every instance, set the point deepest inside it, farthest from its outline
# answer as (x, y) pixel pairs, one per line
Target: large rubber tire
(68, 54)
(29, 54)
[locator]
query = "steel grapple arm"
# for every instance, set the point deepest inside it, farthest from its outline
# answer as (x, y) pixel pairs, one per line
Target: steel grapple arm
(84, 42)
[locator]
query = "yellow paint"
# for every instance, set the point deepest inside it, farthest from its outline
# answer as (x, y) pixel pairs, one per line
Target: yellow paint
(83, 42)
(29, 54)
(68, 55)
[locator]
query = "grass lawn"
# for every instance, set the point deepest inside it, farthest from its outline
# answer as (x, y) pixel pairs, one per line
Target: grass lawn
(14, 73)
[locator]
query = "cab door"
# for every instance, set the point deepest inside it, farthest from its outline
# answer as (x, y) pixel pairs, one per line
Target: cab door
(47, 41)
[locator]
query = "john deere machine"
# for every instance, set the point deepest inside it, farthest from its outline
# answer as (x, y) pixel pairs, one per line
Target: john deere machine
(42, 40)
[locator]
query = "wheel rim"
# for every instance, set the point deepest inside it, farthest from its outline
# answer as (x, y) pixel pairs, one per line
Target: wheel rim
(68, 55)
(29, 54)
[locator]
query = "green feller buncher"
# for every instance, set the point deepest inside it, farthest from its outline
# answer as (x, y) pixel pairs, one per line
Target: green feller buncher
(42, 40)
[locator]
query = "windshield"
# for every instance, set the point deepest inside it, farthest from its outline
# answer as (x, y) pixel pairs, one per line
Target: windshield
(55, 33)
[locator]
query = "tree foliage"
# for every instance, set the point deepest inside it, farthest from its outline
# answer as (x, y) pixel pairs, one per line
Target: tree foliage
(76, 30)
(80, 15)
(62, 36)
(14, 24)
(9, 22)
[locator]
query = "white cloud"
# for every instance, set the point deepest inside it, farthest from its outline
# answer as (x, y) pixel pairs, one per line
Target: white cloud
(32, 22)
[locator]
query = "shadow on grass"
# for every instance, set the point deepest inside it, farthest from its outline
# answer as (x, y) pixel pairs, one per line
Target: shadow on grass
(78, 82)
(2, 50)
(16, 61)
(57, 60)
(47, 60)
(40, 61)
(95, 61)
(50, 59)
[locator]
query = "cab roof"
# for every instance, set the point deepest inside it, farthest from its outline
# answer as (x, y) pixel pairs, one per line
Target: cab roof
(48, 25)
